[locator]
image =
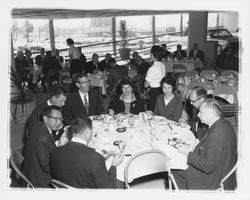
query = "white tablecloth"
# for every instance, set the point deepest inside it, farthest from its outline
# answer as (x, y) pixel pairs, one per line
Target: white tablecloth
(190, 65)
(140, 137)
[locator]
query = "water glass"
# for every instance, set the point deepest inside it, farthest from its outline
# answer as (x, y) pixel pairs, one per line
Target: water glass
(131, 120)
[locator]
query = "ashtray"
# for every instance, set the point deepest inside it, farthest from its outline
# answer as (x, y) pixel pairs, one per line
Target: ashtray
(121, 130)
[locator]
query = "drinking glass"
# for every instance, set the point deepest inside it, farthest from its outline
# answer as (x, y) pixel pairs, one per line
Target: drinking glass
(131, 120)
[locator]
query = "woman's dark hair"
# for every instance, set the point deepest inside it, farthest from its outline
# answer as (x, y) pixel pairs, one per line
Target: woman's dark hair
(127, 81)
(157, 52)
(168, 81)
(70, 41)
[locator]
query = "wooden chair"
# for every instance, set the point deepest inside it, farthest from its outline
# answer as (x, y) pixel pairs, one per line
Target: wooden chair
(16, 160)
(227, 92)
(146, 163)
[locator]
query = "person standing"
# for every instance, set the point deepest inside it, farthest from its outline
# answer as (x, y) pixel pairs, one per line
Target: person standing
(74, 56)
(80, 166)
(154, 75)
(40, 144)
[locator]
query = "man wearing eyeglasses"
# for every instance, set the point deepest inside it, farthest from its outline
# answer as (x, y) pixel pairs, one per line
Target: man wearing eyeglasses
(83, 102)
(58, 98)
(40, 144)
(197, 95)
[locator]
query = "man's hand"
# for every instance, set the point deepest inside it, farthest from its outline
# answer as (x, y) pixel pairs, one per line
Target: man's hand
(184, 149)
(117, 160)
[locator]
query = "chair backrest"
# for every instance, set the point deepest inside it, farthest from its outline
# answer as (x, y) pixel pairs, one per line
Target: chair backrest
(16, 160)
(227, 176)
(146, 163)
(209, 72)
(179, 68)
(59, 184)
(230, 72)
(227, 92)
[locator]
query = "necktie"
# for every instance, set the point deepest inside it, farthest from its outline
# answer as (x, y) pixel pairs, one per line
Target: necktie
(86, 103)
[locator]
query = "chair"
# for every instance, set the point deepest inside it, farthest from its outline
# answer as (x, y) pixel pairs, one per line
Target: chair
(147, 163)
(230, 110)
(230, 72)
(209, 72)
(221, 188)
(227, 92)
(179, 68)
(16, 160)
(58, 184)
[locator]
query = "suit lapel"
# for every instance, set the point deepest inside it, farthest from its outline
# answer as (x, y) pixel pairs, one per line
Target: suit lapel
(81, 103)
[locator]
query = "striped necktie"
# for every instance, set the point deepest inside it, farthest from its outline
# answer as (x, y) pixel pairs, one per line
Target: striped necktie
(86, 103)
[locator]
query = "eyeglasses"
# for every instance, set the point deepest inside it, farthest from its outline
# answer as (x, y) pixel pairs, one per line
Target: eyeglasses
(84, 82)
(56, 118)
(193, 101)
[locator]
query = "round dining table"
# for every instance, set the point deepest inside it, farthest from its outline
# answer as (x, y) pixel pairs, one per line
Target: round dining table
(130, 134)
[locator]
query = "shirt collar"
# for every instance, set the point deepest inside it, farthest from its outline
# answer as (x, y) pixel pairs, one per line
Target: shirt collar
(79, 140)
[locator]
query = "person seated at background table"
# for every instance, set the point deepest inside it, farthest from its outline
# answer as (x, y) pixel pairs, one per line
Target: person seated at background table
(40, 144)
(104, 64)
(168, 104)
(40, 59)
(57, 97)
(20, 64)
(84, 101)
(80, 166)
(227, 61)
(93, 65)
(127, 102)
(74, 58)
(117, 72)
(179, 54)
(57, 56)
(50, 71)
(154, 75)
(141, 65)
(28, 58)
(196, 53)
(135, 54)
(214, 156)
(166, 54)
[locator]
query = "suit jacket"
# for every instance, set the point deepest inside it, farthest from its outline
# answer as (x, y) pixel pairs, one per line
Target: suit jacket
(182, 55)
(172, 111)
(81, 167)
(74, 106)
(142, 68)
(118, 72)
(104, 65)
(36, 159)
(35, 117)
(90, 67)
(136, 106)
(199, 54)
(213, 157)
(39, 61)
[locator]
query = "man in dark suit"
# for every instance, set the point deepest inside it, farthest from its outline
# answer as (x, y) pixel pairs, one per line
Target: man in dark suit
(117, 73)
(57, 98)
(80, 166)
(83, 101)
(40, 144)
(214, 156)
(40, 59)
(141, 65)
(179, 54)
(196, 53)
(166, 54)
(93, 65)
(104, 64)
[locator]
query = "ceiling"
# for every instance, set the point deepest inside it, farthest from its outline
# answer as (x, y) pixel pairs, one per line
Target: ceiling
(46, 13)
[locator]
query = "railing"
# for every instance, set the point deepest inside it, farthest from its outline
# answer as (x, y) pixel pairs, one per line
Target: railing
(140, 44)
